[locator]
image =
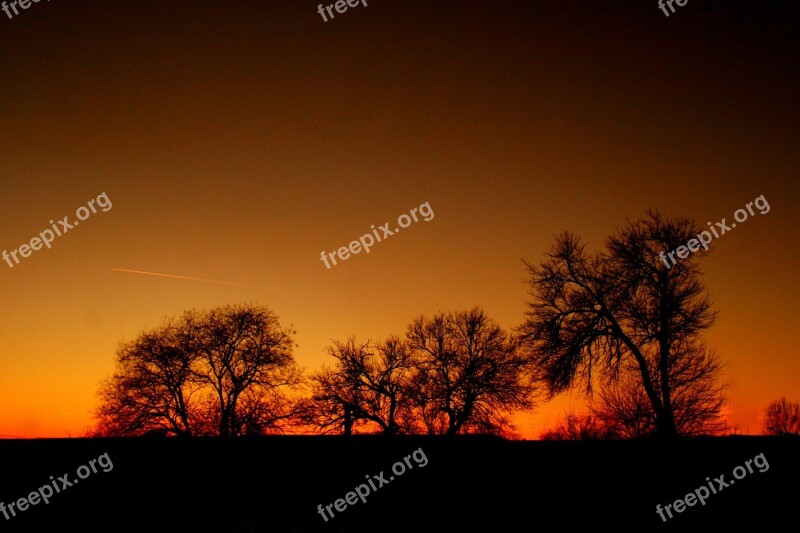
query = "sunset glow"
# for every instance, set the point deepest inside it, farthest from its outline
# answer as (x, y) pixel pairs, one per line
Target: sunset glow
(238, 140)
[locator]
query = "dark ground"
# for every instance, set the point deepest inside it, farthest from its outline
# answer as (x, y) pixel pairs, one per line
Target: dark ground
(469, 484)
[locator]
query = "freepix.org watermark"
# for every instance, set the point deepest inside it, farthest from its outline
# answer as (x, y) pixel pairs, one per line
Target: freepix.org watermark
(362, 491)
(24, 4)
(704, 238)
(340, 6)
(702, 493)
(367, 240)
(47, 236)
(45, 492)
(663, 8)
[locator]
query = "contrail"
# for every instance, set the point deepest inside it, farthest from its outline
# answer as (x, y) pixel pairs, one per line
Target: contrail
(187, 277)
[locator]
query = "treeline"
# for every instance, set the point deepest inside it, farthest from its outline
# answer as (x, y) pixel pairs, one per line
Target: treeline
(231, 371)
(617, 323)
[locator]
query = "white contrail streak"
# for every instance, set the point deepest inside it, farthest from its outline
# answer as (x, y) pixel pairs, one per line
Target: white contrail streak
(186, 277)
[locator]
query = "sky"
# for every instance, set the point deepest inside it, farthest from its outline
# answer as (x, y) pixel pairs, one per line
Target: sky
(236, 141)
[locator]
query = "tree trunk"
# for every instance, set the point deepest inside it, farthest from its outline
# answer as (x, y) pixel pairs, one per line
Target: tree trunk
(224, 423)
(348, 420)
(665, 420)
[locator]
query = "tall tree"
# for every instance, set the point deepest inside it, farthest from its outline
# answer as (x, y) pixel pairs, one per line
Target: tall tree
(623, 308)
(471, 374)
(153, 387)
(227, 371)
(243, 349)
(366, 387)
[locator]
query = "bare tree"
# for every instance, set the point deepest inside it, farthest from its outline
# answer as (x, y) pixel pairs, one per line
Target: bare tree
(782, 418)
(471, 374)
(624, 308)
(332, 404)
(623, 408)
(367, 387)
(153, 386)
(227, 372)
(246, 355)
(423, 396)
(577, 427)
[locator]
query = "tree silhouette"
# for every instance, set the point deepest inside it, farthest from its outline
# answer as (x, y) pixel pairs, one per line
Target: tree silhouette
(454, 373)
(782, 418)
(623, 409)
(153, 388)
(577, 427)
(624, 310)
(246, 358)
(226, 372)
(428, 416)
(470, 373)
(367, 387)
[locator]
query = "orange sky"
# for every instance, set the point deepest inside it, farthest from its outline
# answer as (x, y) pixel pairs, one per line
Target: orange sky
(236, 141)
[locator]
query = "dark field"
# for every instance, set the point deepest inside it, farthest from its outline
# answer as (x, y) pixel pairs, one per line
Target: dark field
(469, 484)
